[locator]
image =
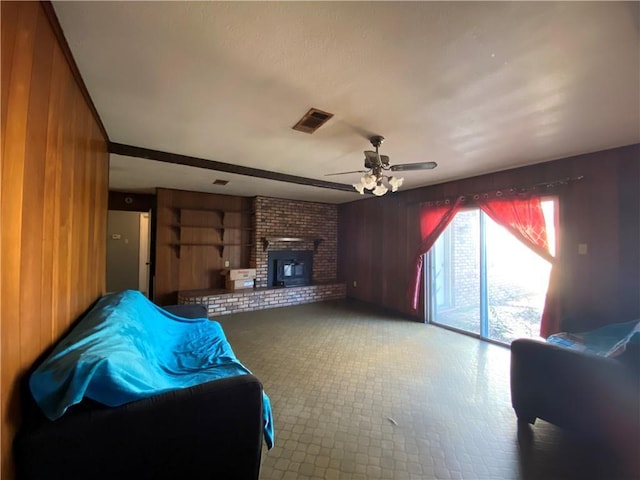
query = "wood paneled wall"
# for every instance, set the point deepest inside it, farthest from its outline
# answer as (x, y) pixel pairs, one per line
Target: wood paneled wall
(198, 267)
(378, 237)
(54, 200)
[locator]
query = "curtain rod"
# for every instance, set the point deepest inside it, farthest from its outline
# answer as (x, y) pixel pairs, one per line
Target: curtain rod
(549, 184)
(554, 183)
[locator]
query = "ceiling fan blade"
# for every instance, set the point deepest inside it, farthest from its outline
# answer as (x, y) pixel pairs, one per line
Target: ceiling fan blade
(345, 173)
(403, 167)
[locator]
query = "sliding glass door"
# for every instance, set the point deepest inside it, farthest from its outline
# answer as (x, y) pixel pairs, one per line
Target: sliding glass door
(455, 274)
(483, 281)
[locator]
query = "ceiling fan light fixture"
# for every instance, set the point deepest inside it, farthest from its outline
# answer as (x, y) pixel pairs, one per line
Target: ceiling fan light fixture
(395, 183)
(380, 190)
(377, 165)
(369, 181)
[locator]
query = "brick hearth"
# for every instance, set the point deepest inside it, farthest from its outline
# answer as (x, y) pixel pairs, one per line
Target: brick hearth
(222, 302)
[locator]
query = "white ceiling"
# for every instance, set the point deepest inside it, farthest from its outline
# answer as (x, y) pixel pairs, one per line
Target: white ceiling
(477, 87)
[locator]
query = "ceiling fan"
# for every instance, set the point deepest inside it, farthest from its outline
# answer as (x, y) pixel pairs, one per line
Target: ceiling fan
(376, 164)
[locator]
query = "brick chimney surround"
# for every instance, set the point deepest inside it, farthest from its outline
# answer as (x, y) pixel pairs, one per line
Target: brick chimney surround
(287, 225)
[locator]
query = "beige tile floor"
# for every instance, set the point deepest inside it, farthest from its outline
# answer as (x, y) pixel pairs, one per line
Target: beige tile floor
(359, 394)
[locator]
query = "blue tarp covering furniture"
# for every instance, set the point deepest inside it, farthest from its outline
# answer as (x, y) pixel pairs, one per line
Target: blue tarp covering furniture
(608, 341)
(127, 349)
(133, 391)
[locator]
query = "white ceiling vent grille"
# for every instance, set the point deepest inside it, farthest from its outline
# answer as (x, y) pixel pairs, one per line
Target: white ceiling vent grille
(312, 120)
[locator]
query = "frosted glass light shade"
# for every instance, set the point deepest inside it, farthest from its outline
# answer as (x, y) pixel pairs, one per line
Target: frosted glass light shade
(372, 182)
(368, 181)
(380, 190)
(395, 183)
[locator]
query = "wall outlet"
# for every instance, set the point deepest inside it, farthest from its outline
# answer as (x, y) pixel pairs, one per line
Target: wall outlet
(582, 249)
(226, 263)
(355, 284)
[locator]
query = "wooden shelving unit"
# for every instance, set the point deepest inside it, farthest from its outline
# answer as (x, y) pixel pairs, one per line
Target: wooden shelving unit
(218, 226)
(220, 246)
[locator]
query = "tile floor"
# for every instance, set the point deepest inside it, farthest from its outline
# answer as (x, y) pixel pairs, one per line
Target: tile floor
(359, 394)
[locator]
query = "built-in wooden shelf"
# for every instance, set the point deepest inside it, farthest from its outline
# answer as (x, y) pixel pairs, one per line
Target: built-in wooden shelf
(185, 225)
(179, 226)
(219, 226)
(266, 241)
(220, 245)
(230, 227)
(220, 211)
(216, 227)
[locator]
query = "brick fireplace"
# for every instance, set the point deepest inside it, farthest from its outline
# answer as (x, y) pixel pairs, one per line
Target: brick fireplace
(308, 221)
(284, 225)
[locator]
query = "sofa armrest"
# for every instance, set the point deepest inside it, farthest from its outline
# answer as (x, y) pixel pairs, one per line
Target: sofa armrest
(573, 389)
(211, 430)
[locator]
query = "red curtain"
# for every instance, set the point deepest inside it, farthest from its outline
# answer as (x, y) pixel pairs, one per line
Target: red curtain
(524, 218)
(552, 313)
(520, 214)
(434, 219)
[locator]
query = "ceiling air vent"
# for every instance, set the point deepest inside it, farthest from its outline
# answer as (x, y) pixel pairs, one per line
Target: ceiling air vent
(312, 120)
